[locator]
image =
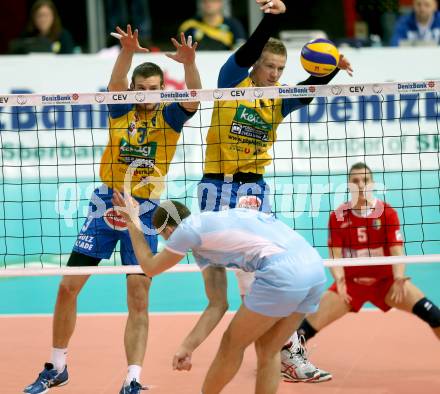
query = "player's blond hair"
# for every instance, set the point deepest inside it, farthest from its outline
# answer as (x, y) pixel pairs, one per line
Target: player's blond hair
(275, 46)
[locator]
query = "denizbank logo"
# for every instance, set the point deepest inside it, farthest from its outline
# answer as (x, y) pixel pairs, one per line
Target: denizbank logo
(133, 152)
(415, 86)
(175, 95)
(59, 99)
(286, 91)
(250, 117)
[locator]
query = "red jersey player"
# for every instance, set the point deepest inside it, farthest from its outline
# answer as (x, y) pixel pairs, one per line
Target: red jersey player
(364, 227)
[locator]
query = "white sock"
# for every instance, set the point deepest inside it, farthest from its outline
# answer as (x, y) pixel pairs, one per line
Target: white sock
(59, 358)
(134, 372)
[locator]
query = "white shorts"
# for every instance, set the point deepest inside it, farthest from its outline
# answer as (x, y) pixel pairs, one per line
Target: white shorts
(284, 285)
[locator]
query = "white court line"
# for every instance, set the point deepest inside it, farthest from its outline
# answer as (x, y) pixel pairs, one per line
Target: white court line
(104, 314)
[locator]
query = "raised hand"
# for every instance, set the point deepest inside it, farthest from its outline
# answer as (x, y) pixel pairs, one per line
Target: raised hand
(185, 50)
(129, 40)
(344, 64)
(272, 6)
(126, 206)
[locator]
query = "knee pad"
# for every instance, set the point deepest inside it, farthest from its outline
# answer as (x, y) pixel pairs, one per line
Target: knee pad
(428, 312)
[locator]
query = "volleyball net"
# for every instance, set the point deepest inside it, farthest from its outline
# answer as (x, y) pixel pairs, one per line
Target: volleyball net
(52, 145)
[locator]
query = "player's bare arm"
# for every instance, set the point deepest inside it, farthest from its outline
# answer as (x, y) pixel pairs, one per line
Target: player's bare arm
(216, 292)
(339, 275)
(398, 290)
(129, 46)
(151, 264)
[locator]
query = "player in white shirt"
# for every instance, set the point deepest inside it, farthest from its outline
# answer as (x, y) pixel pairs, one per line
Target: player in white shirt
(289, 281)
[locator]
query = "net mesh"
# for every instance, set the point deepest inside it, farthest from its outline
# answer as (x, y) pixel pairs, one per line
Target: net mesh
(52, 146)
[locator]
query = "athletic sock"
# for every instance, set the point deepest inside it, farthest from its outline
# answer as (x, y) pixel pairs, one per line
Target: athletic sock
(307, 330)
(134, 372)
(58, 358)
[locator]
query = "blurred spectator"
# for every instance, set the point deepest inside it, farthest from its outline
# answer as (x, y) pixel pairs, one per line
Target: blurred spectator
(379, 17)
(212, 30)
(419, 27)
(133, 12)
(44, 32)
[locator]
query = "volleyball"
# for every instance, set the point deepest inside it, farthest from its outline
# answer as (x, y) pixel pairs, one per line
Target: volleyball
(319, 57)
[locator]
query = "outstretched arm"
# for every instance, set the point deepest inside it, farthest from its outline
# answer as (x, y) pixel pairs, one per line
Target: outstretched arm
(251, 50)
(151, 264)
(129, 46)
(186, 54)
(216, 291)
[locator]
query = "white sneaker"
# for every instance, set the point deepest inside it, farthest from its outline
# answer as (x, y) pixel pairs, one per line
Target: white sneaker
(295, 366)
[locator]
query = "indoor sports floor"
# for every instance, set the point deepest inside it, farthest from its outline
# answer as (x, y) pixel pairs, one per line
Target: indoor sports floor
(367, 353)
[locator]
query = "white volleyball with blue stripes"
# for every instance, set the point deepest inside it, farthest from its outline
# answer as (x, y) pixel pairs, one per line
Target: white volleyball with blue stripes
(319, 57)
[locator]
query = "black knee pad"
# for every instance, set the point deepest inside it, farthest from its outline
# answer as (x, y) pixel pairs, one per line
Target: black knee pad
(306, 330)
(428, 312)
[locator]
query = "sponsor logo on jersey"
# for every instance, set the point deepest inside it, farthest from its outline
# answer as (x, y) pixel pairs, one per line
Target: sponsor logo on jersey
(377, 224)
(129, 153)
(248, 123)
(250, 202)
(84, 242)
(114, 220)
(4, 100)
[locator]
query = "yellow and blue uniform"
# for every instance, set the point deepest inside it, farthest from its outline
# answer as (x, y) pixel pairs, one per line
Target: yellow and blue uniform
(239, 139)
(140, 149)
(224, 35)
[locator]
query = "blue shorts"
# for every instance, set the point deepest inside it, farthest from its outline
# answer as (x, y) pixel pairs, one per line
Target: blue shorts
(284, 285)
(103, 228)
(216, 194)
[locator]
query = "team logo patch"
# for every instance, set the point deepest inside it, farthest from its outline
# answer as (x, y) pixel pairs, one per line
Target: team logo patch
(250, 202)
(377, 224)
(114, 220)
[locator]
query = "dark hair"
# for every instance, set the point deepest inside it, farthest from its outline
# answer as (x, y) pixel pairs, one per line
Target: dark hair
(55, 29)
(147, 70)
(360, 166)
(170, 213)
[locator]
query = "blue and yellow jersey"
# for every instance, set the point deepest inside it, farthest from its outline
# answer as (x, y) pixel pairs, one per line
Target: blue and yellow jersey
(241, 131)
(224, 35)
(140, 148)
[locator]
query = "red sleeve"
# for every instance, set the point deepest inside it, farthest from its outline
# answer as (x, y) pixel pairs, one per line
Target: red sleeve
(392, 227)
(335, 238)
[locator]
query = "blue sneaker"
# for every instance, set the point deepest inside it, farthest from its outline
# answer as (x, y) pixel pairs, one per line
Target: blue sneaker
(134, 388)
(49, 377)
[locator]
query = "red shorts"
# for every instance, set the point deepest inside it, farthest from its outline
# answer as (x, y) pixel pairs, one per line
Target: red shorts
(361, 293)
